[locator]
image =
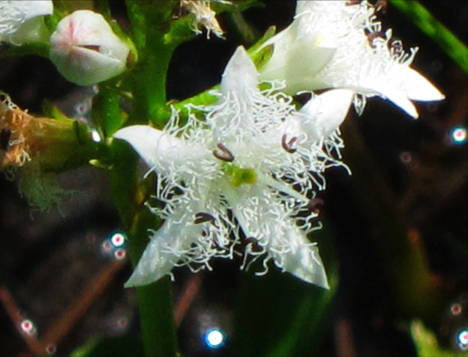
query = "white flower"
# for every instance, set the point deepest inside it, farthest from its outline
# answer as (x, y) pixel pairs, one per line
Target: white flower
(21, 20)
(204, 16)
(86, 50)
(227, 181)
(340, 44)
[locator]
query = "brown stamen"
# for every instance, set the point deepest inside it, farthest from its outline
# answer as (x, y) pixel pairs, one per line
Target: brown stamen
(202, 217)
(396, 46)
(373, 35)
(381, 5)
(223, 153)
(288, 145)
(353, 2)
(315, 204)
(253, 242)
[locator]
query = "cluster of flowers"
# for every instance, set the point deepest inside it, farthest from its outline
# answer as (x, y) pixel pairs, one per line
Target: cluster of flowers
(241, 179)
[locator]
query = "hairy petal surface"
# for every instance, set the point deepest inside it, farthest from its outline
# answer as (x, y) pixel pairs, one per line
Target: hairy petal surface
(335, 44)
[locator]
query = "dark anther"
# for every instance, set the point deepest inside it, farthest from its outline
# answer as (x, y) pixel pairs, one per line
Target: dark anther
(303, 98)
(288, 145)
(381, 5)
(353, 2)
(223, 153)
(253, 242)
(202, 217)
(315, 204)
(396, 46)
(5, 136)
(373, 35)
(92, 47)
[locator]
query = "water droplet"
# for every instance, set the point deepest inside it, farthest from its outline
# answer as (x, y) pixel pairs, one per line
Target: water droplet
(462, 339)
(456, 309)
(28, 327)
(458, 135)
(120, 254)
(214, 338)
(118, 240)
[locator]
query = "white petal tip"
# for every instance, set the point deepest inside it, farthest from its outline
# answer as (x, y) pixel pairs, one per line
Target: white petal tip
(240, 72)
(137, 280)
(420, 89)
(144, 140)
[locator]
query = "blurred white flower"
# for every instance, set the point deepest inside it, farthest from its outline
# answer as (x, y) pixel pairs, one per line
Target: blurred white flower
(236, 182)
(204, 16)
(21, 20)
(85, 50)
(340, 44)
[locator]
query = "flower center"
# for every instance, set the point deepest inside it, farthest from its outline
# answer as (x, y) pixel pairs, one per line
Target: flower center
(241, 176)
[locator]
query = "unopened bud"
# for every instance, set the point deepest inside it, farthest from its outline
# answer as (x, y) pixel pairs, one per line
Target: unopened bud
(85, 49)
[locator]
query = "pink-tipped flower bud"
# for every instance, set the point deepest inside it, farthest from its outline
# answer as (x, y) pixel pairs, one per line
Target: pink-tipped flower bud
(85, 50)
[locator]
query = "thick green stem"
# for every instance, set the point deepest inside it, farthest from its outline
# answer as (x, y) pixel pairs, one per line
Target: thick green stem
(422, 18)
(154, 300)
(150, 22)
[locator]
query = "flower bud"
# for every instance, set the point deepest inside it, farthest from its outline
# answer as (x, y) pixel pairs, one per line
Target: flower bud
(21, 21)
(86, 50)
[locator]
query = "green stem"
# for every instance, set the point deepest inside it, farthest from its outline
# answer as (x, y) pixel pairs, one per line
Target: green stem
(422, 18)
(154, 300)
(150, 22)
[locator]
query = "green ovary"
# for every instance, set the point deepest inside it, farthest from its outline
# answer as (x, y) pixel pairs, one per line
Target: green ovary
(241, 176)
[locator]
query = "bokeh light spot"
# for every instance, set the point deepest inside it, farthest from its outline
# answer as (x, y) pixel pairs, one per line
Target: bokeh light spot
(405, 157)
(214, 338)
(462, 339)
(120, 254)
(458, 135)
(456, 309)
(27, 327)
(50, 349)
(118, 239)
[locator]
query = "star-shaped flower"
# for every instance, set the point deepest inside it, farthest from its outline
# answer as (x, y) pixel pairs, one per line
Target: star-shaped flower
(340, 44)
(240, 180)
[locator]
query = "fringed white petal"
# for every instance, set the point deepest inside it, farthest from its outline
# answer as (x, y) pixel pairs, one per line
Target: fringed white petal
(320, 116)
(240, 73)
(264, 218)
(165, 249)
(330, 44)
(397, 97)
(419, 88)
(159, 149)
